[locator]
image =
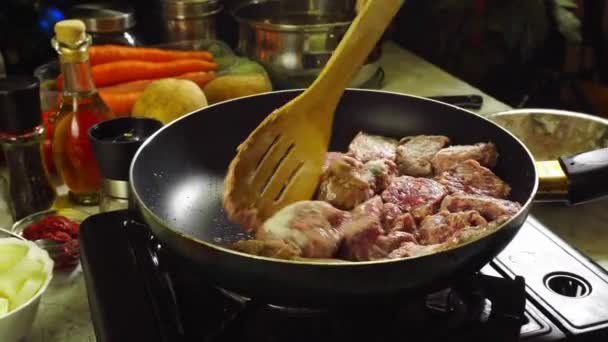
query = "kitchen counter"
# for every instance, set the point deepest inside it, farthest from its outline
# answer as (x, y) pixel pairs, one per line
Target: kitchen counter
(407, 73)
(64, 313)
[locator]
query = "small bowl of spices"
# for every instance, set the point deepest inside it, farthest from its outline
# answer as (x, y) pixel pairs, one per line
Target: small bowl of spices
(56, 231)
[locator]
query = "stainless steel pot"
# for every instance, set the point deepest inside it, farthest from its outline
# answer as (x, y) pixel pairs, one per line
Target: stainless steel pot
(189, 19)
(294, 39)
(550, 133)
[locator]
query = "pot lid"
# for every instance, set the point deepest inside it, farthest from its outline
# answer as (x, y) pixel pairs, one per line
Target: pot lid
(183, 9)
(104, 17)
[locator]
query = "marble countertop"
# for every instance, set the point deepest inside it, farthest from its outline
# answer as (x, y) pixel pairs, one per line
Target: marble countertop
(64, 313)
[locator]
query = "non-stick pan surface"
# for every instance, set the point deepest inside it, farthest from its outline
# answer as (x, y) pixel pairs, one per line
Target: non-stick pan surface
(177, 180)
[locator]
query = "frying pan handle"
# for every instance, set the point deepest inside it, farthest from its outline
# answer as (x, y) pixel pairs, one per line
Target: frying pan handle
(464, 101)
(587, 175)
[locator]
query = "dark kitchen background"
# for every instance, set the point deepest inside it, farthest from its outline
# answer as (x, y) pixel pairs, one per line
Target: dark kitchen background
(526, 53)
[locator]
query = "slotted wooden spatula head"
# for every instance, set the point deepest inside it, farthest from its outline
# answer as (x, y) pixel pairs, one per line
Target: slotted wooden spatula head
(281, 160)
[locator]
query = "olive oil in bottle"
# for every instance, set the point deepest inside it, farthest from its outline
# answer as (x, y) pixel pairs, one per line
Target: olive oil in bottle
(81, 107)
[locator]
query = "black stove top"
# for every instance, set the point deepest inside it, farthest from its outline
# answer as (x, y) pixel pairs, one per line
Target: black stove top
(537, 289)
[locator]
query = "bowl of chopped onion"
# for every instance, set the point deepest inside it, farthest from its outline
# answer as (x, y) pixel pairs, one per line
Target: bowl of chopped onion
(26, 271)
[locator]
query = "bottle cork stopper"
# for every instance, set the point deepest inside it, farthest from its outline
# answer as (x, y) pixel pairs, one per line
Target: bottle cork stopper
(70, 31)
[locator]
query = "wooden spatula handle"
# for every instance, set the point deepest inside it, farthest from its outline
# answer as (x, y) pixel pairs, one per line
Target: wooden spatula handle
(360, 39)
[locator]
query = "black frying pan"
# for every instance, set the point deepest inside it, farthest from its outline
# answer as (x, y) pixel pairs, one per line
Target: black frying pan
(177, 181)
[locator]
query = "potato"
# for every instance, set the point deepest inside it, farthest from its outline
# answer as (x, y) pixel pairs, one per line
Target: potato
(244, 78)
(169, 99)
(233, 86)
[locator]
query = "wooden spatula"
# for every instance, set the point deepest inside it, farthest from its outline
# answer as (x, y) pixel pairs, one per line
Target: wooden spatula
(281, 160)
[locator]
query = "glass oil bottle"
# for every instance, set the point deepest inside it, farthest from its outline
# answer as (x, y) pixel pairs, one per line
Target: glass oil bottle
(80, 108)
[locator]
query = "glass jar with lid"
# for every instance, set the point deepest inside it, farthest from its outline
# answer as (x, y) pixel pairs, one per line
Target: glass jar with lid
(107, 23)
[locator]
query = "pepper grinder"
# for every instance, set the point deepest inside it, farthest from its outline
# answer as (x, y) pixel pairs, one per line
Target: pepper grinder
(114, 144)
(21, 137)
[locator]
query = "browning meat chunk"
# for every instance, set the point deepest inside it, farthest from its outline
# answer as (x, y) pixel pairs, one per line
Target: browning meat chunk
(411, 249)
(345, 184)
(365, 147)
(371, 208)
(381, 173)
(364, 240)
(330, 157)
(271, 248)
(360, 236)
(390, 214)
(313, 226)
(418, 196)
(447, 158)
(394, 240)
(414, 154)
(440, 227)
(473, 232)
(393, 219)
(472, 178)
(489, 207)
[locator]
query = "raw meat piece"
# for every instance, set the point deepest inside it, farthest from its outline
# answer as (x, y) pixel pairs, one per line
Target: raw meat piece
(330, 157)
(365, 147)
(345, 184)
(394, 220)
(489, 207)
(447, 158)
(414, 154)
(271, 248)
(360, 236)
(381, 173)
(313, 226)
(390, 214)
(394, 240)
(418, 196)
(371, 208)
(470, 177)
(411, 249)
(405, 223)
(364, 240)
(473, 232)
(440, 227)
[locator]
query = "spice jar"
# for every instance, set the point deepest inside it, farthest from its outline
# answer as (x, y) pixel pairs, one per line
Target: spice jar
(21, 137)
(107, 23)
(115, 143)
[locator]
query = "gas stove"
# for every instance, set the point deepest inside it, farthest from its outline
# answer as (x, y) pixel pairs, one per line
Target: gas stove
(538, 289)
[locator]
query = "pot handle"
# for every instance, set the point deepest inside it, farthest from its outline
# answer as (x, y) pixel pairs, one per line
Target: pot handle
(464, 101)
(587, 174)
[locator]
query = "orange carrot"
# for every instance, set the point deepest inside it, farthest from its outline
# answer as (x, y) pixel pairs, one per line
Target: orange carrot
(128, 70)
(126, 87)
(100, 54)
(120, 103)
(201, 78)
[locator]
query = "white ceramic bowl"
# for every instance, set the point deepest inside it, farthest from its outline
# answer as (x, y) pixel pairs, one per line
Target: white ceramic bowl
(16, 324)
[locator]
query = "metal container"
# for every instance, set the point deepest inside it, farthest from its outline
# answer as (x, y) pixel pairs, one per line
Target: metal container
(107, 23)
(294, 39)
(189, 19)
(550, 133)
